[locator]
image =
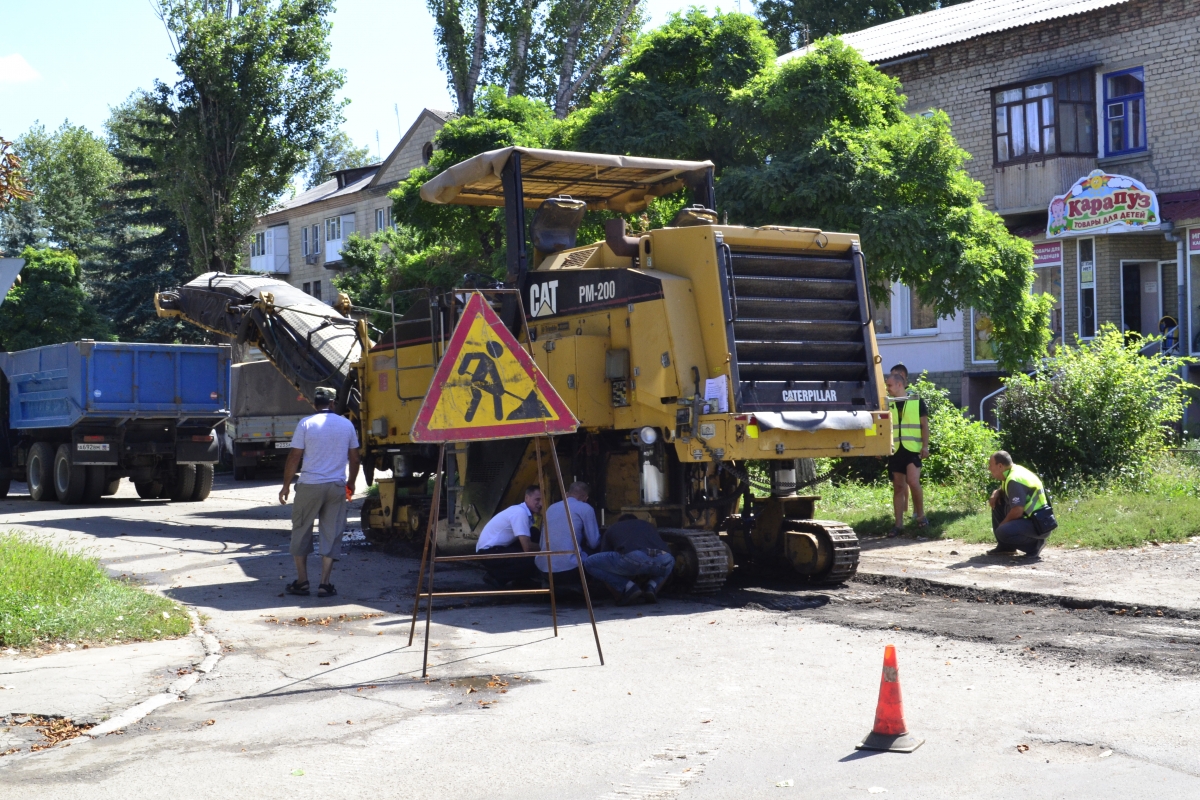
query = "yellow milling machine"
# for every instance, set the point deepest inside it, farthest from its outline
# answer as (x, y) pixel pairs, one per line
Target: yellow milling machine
(686, 352)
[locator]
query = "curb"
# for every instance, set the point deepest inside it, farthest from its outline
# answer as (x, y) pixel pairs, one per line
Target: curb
(174, 693)
(1021, 597)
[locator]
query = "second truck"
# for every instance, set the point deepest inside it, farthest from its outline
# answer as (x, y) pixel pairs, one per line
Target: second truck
(703, 360)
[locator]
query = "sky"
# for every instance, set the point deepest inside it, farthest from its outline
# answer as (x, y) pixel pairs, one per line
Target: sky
(76, 59)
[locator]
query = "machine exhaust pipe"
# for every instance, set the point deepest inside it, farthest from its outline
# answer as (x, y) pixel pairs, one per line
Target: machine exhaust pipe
(614, 236)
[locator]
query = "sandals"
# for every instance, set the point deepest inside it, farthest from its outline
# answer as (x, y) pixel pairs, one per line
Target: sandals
(296, 587)
(895, 531)
(922, 522)
(326, 590)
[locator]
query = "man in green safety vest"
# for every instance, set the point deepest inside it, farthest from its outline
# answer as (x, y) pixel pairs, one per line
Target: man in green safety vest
(1020, 494)
(910, 443)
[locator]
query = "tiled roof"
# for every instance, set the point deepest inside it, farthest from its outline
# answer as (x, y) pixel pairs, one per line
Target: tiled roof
(1179, 206)
(956, 23)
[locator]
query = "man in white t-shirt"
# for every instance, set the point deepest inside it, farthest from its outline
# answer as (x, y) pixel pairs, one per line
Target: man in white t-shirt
(327, 443)
(509, 532)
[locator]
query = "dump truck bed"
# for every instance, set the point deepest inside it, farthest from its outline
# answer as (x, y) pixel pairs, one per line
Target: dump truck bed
(60, 385)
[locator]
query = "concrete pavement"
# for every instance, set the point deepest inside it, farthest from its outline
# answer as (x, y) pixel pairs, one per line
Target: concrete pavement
(1149, 577)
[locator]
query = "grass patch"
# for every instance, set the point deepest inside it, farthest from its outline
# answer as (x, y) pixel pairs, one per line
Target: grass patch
(1165, 508)
(50, 595)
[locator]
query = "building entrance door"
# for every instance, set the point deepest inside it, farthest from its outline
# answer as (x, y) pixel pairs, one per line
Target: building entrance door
(1140, 298)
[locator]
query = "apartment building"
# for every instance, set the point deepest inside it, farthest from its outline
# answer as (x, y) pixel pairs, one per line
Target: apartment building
(1081, 119)
(301, 240)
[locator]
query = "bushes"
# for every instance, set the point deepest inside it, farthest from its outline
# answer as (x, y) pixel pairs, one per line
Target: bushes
(1094, 413)
(958, 448)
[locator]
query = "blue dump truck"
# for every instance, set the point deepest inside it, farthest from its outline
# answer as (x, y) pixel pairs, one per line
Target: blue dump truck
(82, 415)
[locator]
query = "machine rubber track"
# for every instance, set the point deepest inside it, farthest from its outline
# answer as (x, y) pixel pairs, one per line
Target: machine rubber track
(709, 554)
(845, 548)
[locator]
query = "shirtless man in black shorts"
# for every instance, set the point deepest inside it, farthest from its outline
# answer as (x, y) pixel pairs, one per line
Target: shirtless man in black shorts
(910, 437)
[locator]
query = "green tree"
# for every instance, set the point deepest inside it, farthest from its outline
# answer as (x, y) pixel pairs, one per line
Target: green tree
(823, 141)
(796, 23)
(675, 94)
(147, 244)
(69, 173)
(338, 152)
(49, 305)
(434, 246)
(1096, 412)
(256, 96)
(555, 50)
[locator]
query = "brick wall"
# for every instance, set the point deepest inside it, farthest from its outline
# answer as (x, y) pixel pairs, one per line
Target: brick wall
(950, 381)
(1161, 35)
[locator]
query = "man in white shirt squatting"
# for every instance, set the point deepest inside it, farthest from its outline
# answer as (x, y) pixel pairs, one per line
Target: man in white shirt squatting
(327, 443)
(508, 532)
(558, 535)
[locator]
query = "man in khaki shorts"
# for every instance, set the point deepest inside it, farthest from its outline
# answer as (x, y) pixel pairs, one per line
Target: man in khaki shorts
(327, 443)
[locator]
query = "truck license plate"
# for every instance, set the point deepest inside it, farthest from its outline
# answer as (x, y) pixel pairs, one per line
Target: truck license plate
(283, 445)
(92, 448)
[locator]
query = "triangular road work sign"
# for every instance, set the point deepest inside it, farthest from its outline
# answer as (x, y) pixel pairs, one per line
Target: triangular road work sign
(488, 387)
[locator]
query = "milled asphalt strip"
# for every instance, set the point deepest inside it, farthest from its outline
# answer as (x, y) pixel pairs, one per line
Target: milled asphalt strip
(1019, 596)
(175, 692)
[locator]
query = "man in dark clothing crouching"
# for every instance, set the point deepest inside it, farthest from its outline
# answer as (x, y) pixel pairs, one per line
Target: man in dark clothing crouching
(633, 560)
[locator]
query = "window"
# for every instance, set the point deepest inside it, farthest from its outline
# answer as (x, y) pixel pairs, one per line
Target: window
(1047, 118)
(333, 229)
(383, 218)
(316, 290)
(921, 316)
(258, 247)
(307, 288)
(1087, 288)
(316, 239)
(1076, 113)
(304, 240)
(1124, 112)
(427, 152)
(881, 314)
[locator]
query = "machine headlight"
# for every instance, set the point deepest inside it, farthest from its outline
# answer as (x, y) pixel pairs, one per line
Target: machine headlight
(647, 436)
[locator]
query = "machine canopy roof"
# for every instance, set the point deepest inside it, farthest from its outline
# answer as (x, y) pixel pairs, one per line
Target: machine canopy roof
(617, 183)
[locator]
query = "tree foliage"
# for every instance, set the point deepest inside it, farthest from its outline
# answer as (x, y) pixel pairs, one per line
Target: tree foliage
(338, 152)
(49, 305)
(958, 446)
(1095, 412)
(68, 174)
(435, 246)
(554, 50)
(823, 141)
(677, 93)
(796, 23)
(256, 96)
(146, 245)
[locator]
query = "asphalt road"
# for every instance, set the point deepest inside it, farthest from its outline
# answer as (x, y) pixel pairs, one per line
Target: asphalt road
(726, 696)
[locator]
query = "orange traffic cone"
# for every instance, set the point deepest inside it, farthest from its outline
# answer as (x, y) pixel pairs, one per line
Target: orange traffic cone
(890, 733)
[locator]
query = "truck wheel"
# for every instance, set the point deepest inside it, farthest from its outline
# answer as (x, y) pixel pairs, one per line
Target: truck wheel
(5, 482)
(94, 485)
(184, 483)
(149, 490)
(239, 473)
(70, 481)
(40, 471)
(204, 482)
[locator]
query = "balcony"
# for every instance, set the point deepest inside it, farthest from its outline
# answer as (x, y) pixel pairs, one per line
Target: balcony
(1028, 187)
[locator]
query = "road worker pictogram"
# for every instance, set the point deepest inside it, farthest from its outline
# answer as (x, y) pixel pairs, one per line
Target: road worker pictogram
(488, 387)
